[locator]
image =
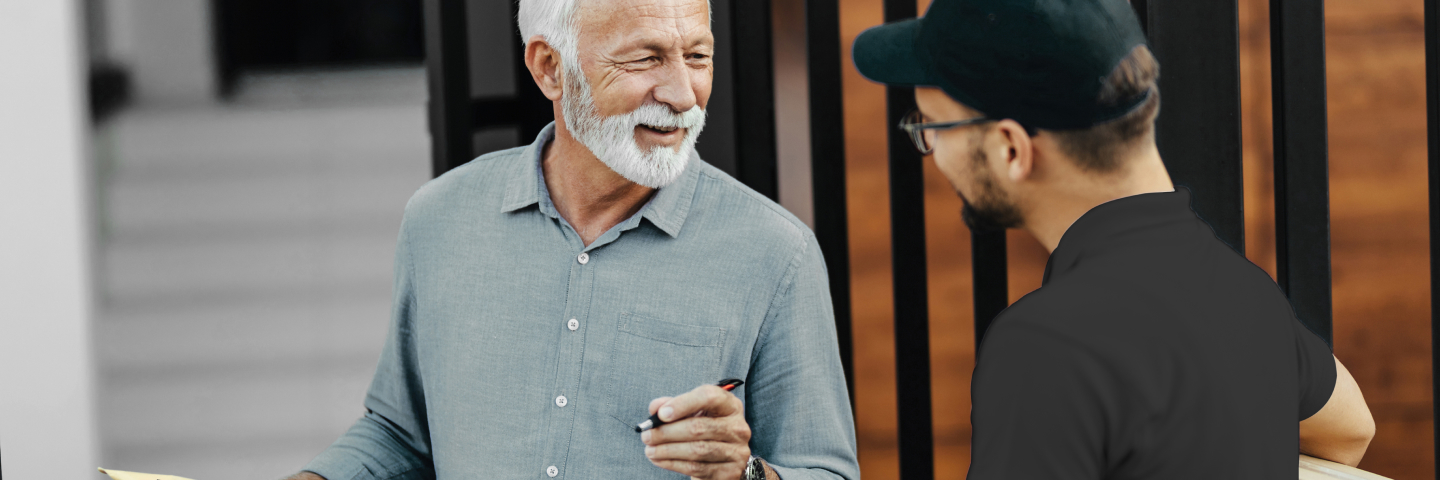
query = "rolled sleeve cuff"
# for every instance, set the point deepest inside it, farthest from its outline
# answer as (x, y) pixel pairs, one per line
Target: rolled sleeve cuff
(350, 459)
(787, 473)
(339, 463)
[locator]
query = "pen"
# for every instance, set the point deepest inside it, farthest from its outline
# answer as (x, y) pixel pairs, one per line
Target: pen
(655, 421)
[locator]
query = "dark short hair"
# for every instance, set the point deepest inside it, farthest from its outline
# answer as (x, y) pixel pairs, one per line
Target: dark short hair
(1101, 148)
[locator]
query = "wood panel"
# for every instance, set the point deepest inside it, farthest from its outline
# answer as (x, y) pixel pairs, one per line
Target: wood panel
(1378, 198)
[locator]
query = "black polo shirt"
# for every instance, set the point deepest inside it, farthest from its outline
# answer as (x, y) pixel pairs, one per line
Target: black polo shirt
(1151, 351)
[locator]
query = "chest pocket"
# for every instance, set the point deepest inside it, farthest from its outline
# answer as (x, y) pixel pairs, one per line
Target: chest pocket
(654, 358)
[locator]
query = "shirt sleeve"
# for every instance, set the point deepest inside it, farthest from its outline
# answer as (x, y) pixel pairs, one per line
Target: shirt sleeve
(796, 402)
(392, 440)
(1316, 369)
(1037, 411)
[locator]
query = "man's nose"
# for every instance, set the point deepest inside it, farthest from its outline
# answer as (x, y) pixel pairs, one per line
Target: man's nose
(675, 88)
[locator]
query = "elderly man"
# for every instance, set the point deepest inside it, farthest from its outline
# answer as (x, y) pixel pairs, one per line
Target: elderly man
(548, 298)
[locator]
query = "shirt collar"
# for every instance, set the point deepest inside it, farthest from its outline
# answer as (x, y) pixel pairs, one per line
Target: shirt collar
(666, 210)
(527, 186)
(1124, 224)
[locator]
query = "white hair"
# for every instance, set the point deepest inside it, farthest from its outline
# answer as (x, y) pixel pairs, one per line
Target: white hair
(554, 20)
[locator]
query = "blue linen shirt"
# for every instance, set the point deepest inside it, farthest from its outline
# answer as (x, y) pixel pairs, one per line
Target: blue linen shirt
(515, 351)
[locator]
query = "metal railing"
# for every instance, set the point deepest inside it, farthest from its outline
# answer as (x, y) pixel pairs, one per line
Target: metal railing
(1432, 130)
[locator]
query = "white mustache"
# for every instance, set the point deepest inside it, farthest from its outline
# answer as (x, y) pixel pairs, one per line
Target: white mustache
(658, 115)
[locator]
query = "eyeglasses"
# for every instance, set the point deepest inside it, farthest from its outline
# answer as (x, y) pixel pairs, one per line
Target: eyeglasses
(921, 132)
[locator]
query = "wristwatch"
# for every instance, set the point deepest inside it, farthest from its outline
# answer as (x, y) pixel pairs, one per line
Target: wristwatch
(754, 469)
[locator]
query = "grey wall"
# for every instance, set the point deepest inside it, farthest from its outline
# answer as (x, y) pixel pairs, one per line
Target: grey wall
(168, 46)
(792, 109)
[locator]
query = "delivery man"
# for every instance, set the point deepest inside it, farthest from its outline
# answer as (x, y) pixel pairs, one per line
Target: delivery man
(1152, 350)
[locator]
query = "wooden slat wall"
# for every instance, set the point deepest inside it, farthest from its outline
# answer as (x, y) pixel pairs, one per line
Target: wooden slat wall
(1379, 235)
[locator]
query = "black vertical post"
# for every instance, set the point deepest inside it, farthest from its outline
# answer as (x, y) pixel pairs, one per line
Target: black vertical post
(907, 247)
(532, 110)
(1302, 188)
(989, 277)
(1432, 111)
(754, 96)
(222, 16)
(827, 165)
(447, 67)
(528, 110)
(1142, 12)
(1198, 132)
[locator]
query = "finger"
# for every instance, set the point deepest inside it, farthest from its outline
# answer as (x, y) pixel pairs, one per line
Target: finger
(732, 429)
(713, 400)
(701, 452)
(698, 470)
(656, 403)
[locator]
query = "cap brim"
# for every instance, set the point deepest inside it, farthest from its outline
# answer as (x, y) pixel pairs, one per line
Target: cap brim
(887, 54)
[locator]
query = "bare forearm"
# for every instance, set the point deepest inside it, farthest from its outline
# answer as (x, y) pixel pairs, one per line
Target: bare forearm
(1344, 442)
(305, 476)
(1342, 430)
(1348, 453)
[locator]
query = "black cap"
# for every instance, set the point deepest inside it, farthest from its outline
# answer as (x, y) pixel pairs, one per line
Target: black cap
(1038, 62)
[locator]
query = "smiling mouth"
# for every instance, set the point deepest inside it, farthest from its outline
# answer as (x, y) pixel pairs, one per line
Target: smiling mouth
(661, 130)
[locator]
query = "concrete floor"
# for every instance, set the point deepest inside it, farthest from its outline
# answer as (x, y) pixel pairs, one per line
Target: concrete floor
(246, 252)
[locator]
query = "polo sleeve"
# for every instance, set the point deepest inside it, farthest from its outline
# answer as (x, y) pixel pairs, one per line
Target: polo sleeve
(1037, 411)
(795, 400)
(1316, 369)
(391, 441)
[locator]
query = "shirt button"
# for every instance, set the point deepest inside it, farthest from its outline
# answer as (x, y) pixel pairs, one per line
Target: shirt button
(584, 258)
(561, 401)
(573, 324)
(552, 471)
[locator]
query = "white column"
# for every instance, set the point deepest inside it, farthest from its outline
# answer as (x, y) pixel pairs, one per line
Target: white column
(47, 426)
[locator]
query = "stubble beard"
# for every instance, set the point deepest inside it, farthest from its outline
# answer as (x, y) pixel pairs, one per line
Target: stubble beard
(992, 210)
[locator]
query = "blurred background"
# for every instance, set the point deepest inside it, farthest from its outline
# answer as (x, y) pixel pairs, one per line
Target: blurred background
(238, 168)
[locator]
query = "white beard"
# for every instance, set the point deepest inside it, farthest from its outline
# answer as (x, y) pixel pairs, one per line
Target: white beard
(612, 138)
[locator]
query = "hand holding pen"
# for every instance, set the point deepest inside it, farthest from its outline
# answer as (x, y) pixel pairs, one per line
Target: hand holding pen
(655, 421)
(701, 433)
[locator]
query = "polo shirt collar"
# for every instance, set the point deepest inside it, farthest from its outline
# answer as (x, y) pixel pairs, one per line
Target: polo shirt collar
(667, 209)
(1123, 224)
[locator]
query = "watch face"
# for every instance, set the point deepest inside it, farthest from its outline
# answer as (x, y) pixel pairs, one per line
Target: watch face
(754, 469)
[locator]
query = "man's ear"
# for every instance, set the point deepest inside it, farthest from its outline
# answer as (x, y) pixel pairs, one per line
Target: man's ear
(544, 64)
(1017, 150)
